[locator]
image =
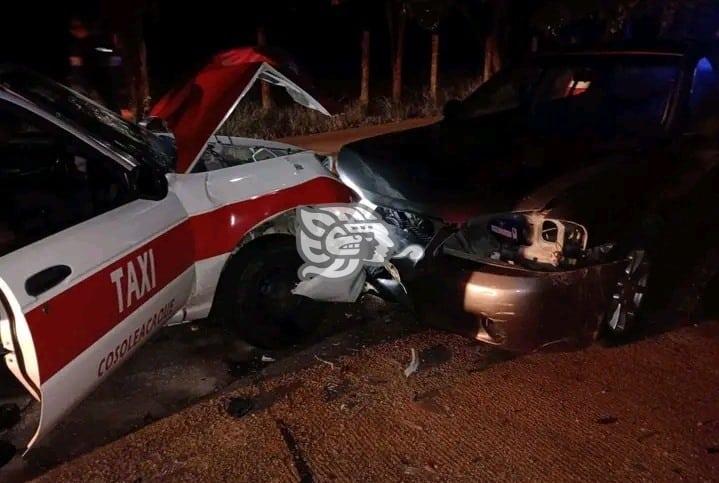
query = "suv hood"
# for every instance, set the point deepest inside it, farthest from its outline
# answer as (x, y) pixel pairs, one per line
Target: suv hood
(195, 110)
(456, 170)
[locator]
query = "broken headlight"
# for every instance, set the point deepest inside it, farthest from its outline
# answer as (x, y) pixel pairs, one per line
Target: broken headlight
(419, 229)
(529, 239)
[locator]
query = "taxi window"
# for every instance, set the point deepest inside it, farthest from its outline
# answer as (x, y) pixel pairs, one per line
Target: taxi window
(50, 181)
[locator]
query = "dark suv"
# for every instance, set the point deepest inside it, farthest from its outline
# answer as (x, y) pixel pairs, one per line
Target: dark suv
(552, 198)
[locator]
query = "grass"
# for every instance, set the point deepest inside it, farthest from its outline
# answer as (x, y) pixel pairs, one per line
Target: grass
(290, 119)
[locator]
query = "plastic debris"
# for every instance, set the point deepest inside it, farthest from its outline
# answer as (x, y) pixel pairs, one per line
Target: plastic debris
(325, 362)
(607, 419)
(268, 359)
(413, 364)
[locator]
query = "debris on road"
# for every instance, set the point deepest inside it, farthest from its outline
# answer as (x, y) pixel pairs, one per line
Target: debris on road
(239, 407)
(331, 364)
(240, 368)
(607, 420)
(384, 424)
(334, 391)
(413, 364)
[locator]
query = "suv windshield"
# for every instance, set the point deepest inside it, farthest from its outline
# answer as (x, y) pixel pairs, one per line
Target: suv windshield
(98, 122)
(622, 93)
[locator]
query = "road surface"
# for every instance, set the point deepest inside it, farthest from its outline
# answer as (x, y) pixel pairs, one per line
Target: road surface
(331, 142)
(648, 410)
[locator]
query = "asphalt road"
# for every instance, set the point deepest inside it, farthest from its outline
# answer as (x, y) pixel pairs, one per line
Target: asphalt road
(180, 366)
(647, 411)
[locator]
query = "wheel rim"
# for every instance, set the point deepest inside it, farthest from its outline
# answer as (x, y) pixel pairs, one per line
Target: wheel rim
(630, 292)
(273, 295)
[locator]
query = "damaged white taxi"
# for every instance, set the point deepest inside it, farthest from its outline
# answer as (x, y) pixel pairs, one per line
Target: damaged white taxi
(109, 231)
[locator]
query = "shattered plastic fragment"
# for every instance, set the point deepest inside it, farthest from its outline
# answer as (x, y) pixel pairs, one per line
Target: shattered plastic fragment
(332, 290)
(328, 363)
(413, 364)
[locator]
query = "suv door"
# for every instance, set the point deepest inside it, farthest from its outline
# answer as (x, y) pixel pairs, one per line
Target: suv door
(77, 300)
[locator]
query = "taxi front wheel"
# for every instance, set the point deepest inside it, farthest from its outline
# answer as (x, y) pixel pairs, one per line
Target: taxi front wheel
(255, 300)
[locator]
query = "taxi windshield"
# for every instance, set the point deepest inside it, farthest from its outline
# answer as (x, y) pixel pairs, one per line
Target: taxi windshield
(98, 122)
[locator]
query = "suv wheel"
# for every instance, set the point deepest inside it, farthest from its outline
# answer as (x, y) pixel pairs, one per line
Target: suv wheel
(629, 295)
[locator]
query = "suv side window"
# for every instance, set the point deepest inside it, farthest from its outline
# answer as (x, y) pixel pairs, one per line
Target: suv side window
(49, 180)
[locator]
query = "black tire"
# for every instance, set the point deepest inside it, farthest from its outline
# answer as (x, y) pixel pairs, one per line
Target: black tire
(626, 307)
(254, 300)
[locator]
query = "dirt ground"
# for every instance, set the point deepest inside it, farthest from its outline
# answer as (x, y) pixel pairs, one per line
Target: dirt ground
(331, 142)
(648, 410)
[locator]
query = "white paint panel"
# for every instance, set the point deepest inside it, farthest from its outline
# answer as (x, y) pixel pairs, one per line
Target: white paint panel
(25, 344)
(90, 246)
(64, 390)
(250, 181)
(208, 275)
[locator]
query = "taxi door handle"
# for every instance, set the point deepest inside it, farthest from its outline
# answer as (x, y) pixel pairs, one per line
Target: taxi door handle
(46, 279)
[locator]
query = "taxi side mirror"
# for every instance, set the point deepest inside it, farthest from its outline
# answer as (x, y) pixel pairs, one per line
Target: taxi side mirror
(150, 183)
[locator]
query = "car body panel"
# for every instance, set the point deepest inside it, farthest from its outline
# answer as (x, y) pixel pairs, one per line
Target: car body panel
(492, 161)
(137, 266)
(519, 310)
(197, 109)
(123, 275)
(473, 168)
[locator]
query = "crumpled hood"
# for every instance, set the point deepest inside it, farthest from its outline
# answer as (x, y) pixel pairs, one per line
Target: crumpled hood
(195, 110)
(457, 170)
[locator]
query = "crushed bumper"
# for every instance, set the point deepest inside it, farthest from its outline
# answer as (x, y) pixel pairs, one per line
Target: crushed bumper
(516, 309)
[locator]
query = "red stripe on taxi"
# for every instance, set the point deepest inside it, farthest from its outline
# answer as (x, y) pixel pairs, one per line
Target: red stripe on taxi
(200, 237)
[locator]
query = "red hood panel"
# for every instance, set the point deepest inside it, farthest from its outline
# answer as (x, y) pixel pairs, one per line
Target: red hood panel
(194, 111)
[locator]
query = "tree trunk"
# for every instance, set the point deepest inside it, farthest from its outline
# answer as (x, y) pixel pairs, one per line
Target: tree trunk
(364, 84)
(491, 57)
(434, 68)
(264, 86)
(398, 60)
(132, 46)
(143, 85)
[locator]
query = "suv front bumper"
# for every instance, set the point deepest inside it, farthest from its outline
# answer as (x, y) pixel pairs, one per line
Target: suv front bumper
(514, 308)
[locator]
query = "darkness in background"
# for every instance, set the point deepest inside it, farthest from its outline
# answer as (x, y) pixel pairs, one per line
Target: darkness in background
(182, 36)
